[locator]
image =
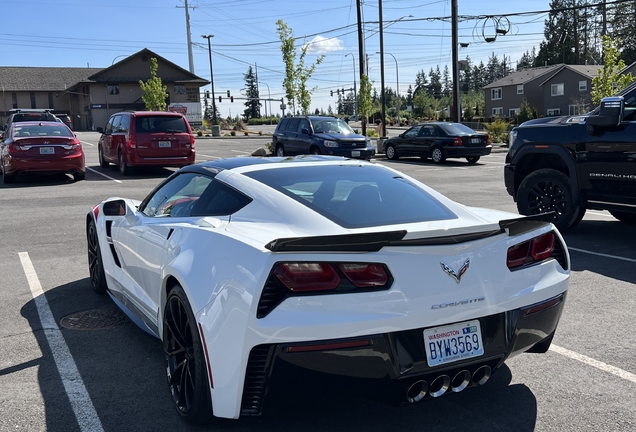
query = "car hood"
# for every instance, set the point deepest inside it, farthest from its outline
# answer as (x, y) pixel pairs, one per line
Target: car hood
(339, 137)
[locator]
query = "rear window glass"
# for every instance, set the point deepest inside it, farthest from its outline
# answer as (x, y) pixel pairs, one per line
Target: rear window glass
(158, 124)
(44, 130)
(24, 117)
(356, 196)
(457, 129)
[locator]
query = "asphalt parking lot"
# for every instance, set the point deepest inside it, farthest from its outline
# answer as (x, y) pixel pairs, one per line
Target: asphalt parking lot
(57, 375)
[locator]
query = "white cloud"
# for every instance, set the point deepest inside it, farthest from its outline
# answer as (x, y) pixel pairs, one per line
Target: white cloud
(321, 45)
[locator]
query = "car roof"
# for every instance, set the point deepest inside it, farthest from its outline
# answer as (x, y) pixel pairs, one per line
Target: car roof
(150, 113)
(243, 161)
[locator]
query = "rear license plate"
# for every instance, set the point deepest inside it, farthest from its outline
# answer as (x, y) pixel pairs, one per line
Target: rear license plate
(475, 140)
(47, 150)
(164, 144)
(452, 343)
(355, 153)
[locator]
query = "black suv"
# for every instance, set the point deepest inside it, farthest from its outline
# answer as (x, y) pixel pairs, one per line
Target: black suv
(320, 135)
(569, 164)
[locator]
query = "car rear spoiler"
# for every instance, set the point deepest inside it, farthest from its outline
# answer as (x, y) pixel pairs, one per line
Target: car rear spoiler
(373, 242)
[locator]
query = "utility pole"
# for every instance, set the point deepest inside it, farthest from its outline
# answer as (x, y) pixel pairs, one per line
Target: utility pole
(189, 37)
(361, 55)
(382, 69)
(456, 109)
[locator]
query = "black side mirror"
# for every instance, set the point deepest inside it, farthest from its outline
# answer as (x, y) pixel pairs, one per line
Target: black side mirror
(114, 208)
(100, 129)
(610, 113)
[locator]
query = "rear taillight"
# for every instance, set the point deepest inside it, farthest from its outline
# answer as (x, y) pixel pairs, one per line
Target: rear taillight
(74, 147)
(488, 142)
(364, 275)
(132, 142)
(12, 148)
(531, 251)
(191, 140)
(457, 141)
(299, 277)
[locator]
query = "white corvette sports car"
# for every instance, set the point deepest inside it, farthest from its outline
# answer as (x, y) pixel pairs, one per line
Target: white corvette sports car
(242, 266)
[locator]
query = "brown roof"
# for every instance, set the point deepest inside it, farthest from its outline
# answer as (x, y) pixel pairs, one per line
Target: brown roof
(16, 78)
(523, 76)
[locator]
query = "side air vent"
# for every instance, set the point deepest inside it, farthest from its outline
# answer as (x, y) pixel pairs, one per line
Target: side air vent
(256, 375)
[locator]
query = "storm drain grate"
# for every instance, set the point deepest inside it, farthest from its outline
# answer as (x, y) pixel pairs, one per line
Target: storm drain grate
(105, 317)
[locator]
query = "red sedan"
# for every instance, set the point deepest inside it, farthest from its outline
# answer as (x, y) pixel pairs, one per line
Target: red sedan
(41, 147)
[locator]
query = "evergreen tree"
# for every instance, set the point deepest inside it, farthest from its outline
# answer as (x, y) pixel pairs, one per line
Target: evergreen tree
(253, 104)
(447, 82)
(624, 30)
(466, 77)
(409, 96)
(527, 60)
(434, 89)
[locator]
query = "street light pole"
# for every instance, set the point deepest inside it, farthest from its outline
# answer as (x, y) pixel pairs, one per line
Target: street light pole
(208, 37)
(355, 91)
(397, 79)
(269, 99)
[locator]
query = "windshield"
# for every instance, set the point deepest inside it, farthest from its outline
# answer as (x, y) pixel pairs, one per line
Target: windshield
(330, 125)
(355, 196)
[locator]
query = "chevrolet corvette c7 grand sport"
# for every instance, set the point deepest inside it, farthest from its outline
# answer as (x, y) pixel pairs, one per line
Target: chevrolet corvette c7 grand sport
(245, 266)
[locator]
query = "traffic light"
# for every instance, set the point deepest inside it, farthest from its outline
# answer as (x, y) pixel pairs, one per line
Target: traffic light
(231, 98)
(228, 93)
(220, 98)
(207, 94)
(331, 92)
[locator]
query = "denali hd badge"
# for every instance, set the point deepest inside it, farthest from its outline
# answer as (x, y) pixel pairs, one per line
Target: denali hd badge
(457, 276)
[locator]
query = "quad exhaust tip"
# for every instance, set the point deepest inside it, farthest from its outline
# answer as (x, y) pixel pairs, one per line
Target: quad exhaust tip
(439, 386)
(481, 375)
(460, 381)
(416, 391)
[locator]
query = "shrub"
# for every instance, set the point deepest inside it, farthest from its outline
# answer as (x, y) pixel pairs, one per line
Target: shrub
(371, 133)
(233, 132)
(498, 130)
(199, 132)
(269, 147)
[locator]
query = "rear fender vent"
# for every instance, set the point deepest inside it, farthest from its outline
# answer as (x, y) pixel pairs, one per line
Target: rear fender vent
(259, 367)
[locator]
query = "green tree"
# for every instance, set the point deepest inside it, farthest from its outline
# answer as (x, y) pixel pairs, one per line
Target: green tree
(365, 103)
(609, 81)
(525, 112)
(252, 104)
(154, 92)
(296, 74)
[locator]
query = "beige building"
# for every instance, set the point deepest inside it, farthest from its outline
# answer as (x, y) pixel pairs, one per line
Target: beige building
(91, 95)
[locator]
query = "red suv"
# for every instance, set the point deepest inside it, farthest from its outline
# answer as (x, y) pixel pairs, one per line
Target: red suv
(146, 138)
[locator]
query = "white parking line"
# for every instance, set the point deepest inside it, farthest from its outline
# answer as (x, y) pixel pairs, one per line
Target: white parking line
(103, 175)
(597, 213)
(603, 255)
(87, 143)
(595, 363)
(207, 156)
(81, 403)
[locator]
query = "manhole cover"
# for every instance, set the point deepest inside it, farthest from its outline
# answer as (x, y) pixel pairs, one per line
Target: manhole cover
(105, 317)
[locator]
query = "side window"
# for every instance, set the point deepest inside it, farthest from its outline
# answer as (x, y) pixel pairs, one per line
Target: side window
(116, 122)
(109, 126)
(293, 125)
(304, 124)
(220, 200)
(282, 125)
(412, 133)
(124, 124)
(177, 197)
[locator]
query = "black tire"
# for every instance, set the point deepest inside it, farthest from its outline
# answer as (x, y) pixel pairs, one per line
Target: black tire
(437, 155)
(100, 154)
(626, 217)
(79, 176)
(315, 151)
(124, 169)
(7, 178)
(472, 160)
(186, 367)
(280, 150)
(390, 152)
(547, 190)
(95, 263)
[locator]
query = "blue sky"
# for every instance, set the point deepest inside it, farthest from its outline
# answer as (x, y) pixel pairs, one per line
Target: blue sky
(97, 32)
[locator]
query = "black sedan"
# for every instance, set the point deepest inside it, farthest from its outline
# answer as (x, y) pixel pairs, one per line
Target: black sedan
(439, 141)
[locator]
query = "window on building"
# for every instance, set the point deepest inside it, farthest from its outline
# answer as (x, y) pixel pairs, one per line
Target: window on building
(14, 99)
(113, 89)
(497, 111)
(556, 89)
(495, 94)
(582, 85)
(520, 89)
(554, 112)
(179, 89)
(513, 112)
(51, 100)
(575, 109)
(33, 104)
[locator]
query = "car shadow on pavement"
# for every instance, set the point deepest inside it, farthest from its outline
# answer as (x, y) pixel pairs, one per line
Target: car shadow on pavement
(37, 180)
(122, 369)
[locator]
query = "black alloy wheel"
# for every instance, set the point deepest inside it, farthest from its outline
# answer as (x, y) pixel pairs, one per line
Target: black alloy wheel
(100, 154)
(185, 360)
(95, 263)
(280, 150)
(437, 155)
(548, 190)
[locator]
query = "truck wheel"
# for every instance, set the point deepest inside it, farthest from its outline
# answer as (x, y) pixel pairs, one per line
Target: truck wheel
(624, 216)
(548, 190)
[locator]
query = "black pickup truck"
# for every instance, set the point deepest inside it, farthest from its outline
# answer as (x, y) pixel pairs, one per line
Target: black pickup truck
(565, 165)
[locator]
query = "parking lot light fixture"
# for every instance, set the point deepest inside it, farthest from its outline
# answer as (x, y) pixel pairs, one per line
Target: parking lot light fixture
(208, 37)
